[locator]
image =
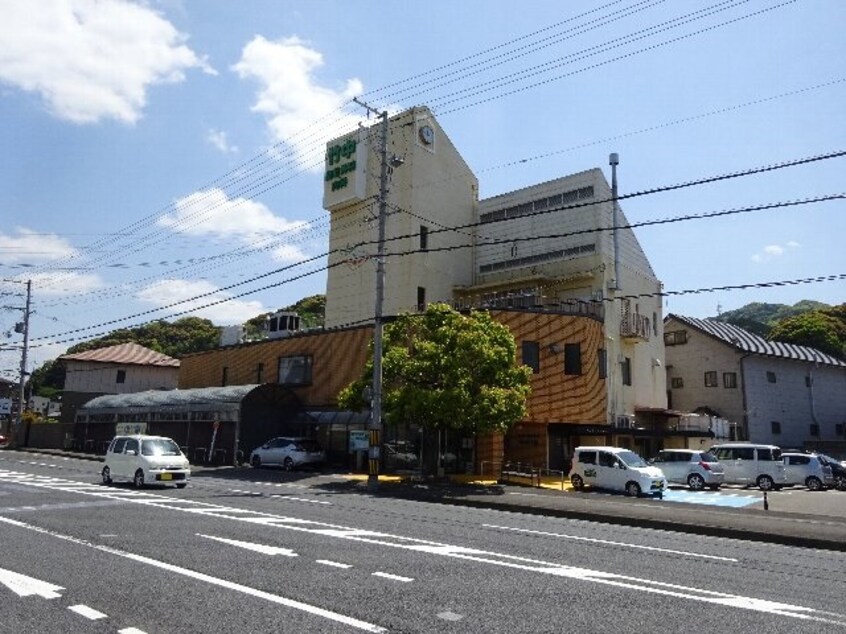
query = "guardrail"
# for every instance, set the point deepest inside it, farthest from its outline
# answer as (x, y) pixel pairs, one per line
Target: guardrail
(519, 472)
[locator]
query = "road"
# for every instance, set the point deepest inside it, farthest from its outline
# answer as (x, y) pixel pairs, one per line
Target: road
(258, 551)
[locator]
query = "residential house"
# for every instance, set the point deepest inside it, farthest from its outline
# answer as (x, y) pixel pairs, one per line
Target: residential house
(776, 393)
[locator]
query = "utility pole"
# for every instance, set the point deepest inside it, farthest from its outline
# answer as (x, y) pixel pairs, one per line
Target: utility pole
(375, 426)
(22, 327)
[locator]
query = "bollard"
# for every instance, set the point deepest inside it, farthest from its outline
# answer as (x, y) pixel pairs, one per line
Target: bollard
(766, 503)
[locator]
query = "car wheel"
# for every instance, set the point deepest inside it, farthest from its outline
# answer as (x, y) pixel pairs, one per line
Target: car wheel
(696, 482)
(107, 475)
(840, 483)
(287, 463)
(632, 489)
(765, 483)
(181, 485)
(814, 483)
(138, 480)
(577, 482)
(255, 461)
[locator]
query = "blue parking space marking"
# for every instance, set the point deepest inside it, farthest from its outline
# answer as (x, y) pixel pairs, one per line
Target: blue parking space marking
(708, 498)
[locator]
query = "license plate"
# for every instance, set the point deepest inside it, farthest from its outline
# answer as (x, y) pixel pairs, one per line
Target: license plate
(166, 476)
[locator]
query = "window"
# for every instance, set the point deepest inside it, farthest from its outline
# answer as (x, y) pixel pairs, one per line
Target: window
(775, 427)
(424, 238)
(421, 299)
(224, 376)
(814, 429)
(808, 381)
(675, 337)
(627, 371)
(602, 358)
(295, 370)
(531, 355)
(797, 460)
(121, 376)
(730, 380)
(606, 459)
(839, 429)
(676, 382)
(572, 358)
(711, 379)
(771, 377)
(587, 457)
(260, 373)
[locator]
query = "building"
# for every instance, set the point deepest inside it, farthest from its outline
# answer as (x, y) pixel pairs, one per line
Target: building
(777, 393)
(120, 369)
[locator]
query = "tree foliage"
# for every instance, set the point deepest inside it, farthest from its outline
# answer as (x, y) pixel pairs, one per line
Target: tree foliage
(48, 379)
(823, 329)
(312, 311)
(759, 317)
(183, 336)
(445, 370)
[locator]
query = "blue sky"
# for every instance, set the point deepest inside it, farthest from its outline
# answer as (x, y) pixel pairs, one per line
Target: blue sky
(153, 152)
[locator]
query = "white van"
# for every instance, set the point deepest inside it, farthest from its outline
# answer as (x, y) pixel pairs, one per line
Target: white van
(616, 469)
(144, 460)
(751, 464)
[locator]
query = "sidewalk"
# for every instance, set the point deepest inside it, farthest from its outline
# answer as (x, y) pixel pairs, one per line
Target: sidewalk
(796, 518)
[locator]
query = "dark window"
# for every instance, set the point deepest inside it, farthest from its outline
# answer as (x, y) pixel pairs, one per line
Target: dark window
(730, 379)
(531, 355)
(839, 429)
(676, 382)
(424, 238)
(711, 379)
(274, 324)
(224, 376)
(260, 373)
(798, 460)
(771, 377)
(131, 445)
(775, 427)
(587, 457)
(421, 298)
(675, 337)
(572, 358)
(295, 370)
(627, 371)
(744, 453)
(814, 429)
(121, 376)
(606, 459)
(769, 454)
(118, 445)
(602, 357)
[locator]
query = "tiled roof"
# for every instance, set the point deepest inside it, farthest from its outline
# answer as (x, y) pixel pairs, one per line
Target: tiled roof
(125, 353)
(745, 341)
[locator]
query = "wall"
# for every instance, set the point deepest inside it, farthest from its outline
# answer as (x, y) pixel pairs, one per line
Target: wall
(101, 378)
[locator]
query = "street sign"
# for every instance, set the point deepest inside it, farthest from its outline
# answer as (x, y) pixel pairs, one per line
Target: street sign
(359, 440)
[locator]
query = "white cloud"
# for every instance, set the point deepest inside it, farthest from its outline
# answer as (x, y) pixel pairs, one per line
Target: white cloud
(29, 247)
(63, 283)
(772, 251)
(91, 59)
(291, 99)
(218, 139)
(213, 213)
(167, 292)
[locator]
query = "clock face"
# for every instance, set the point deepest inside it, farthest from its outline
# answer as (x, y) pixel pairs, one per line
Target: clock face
(427, 135)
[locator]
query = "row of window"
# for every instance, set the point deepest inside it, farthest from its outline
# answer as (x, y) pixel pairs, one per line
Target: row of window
(573, 359)
(729, 380)
(558, 254)
(541, 204)
(813, 429)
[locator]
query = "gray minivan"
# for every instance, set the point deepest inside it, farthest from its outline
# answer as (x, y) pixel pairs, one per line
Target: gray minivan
(751, 464)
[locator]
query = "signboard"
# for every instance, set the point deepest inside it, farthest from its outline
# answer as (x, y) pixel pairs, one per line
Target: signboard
(5, 406)
(344, 176)
(127, 429)
(359, 440)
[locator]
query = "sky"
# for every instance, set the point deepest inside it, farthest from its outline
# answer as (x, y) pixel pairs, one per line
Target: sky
(164, 158)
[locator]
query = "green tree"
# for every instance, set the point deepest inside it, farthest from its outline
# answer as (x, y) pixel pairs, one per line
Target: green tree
(312, 311)
(823, 329)
(189, 334)
(446, 371)
(48, 379)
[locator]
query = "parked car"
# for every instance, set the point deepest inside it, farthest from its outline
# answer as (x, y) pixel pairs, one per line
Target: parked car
(751, 464)
(838, 471)
(696, 469)
(143, 459)
(3, 439)
(616, 469)
(807, 469)
(288, 452)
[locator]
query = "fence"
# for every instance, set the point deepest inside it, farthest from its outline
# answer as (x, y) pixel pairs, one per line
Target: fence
(521, 472)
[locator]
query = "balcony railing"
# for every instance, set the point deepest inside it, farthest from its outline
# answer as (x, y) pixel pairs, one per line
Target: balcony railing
(635, 326)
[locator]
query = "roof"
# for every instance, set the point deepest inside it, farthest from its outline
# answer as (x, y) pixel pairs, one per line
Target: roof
(159, 398)
(746, 341)
(124, 353)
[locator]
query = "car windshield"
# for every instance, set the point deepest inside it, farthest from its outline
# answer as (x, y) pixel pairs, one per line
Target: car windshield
(310, 446)
(631, 459)
(159, 447)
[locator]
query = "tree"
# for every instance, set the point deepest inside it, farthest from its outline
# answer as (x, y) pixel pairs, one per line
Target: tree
(823, 329)
(446, 371)
(48, 379)
(311, 310)
(183, 336)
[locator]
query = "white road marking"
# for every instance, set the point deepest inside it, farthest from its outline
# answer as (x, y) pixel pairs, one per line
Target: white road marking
(24, 586)
(449, 616)
(611, 543)
(259, 548)
(409, 543)
(388, 575)
(131, 630)
(88, 613)
(291, 497)
(334, 564)
(199, 576)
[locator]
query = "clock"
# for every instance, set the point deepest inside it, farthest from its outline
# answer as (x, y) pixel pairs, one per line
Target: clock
(426, 134)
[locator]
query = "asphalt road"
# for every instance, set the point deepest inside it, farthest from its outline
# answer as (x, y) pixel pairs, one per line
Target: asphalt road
(266, 551)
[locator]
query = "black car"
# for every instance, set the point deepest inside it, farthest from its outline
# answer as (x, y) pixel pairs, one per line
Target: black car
(838, 470)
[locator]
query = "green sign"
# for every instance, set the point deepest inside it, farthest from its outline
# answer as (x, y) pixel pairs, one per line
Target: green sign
(339, 163)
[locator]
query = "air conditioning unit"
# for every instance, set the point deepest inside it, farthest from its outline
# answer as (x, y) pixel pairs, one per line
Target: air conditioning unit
(623, 422)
